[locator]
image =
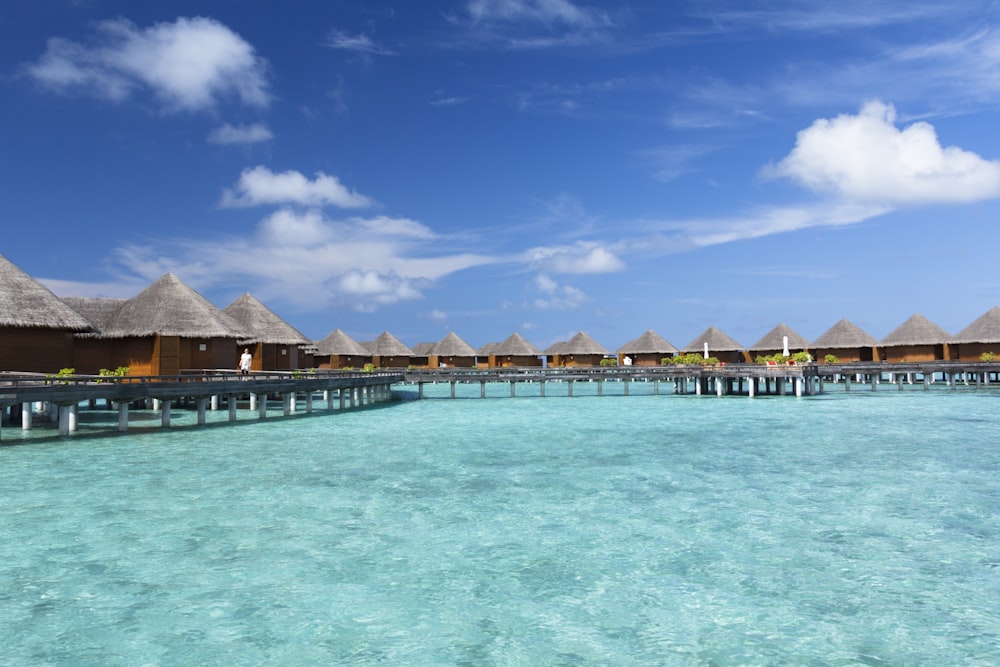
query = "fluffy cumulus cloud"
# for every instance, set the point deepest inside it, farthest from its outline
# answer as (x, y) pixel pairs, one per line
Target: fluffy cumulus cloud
(367, 290)
(579, 258)
(227, 134)
(553, 296)
(866, 158)
(190, 64)
(260, 186)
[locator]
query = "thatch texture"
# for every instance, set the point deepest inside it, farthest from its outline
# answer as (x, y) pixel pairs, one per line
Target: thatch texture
(99, 312)
(169, 307)
(488, 349)
(263, 324)
(775, 340)
(717, 342)
(26, 303)
(554, 349)
(339, 344)
(452, 346)
(648, 343)
(422, 349)
(844, 335)
(515, 346)
(918, 330)
(581, 344)
(387, 345)
(986, 329)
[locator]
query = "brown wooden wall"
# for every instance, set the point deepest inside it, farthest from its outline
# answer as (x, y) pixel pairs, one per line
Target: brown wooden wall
(35, 350)
(846, 354)
(914, 353)
(972, 351)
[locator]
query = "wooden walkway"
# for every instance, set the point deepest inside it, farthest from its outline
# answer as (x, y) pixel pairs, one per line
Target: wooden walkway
(61, 397)
(730, 379)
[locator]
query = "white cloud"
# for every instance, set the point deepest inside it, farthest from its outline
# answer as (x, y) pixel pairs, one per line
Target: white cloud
(866, 158)
(555, 296)
(544, 11)
(228, 134)
(337, 39)
(579, 258)
(259, 186)
(368, 290)
(190, 64)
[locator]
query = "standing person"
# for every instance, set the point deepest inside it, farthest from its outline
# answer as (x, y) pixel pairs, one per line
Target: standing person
(246, 360)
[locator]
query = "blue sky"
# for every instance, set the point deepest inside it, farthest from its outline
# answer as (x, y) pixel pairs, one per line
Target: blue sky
(491, 166)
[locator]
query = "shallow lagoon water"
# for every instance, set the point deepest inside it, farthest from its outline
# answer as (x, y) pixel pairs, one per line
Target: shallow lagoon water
(844, 529)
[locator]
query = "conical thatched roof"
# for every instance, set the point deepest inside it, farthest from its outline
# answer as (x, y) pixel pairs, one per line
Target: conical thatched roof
(99, 312)
(844, 335)
(488, 349)
(581, 343)
(516, 346)
(918, 330)
(775, 340)
(555, 348)
(717, 342)
(986, 329)
(263, 325)
(452, 346)
(387, 345)
(26, 303)
(169, 307)
(422, 349)
(648, 343)
(340, 344)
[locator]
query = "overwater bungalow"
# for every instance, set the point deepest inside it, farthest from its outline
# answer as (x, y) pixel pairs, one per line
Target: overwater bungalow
(847, 342)
(649, 349)
(387, 351)
(486, 354)
(339, 351)
(716, 344)
(36, 327)
(273, 342)
(551, 353)
(580, 350)
(514, 351)
(421, 355)
(782, 339)
(452, 352)
(916, 339)
(166, 328)
(980, 337)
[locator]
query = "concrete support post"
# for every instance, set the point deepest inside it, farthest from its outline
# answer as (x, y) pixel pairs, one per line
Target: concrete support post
(309, 402)
(873, 378)
(541, 388)
(291, 402)
(253, 401)
(452, 383)
(656, 387)
(420, 390)
(231, 401)
(63, 422)
(569, 390)
(202, 406)
(123, 417)
(899, 381)
(512, 389)
(262, 407)
(343, 398)
(215, 403)
(328, 396)
(697, 386)
(927, 382)
(951, 380)
(157, 404)
(286, 404)
(798, 387)
(482, 388)
(600, 387)
(165, 414)
(752, 387)
(26, 416)
(847, 383)
(626, 383)
(719, 387)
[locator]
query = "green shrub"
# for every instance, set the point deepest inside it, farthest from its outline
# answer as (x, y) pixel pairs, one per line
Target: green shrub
(987, 356)
(802, 357)
(831, 359)
(368, 368)
(609, 362)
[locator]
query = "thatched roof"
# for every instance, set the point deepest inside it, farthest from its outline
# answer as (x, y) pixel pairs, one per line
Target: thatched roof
(387, 345)
(516, 346)
(422, 349)
(263, 325)
(918, 330)
(717, 342)
(648, 343)
(844, 335)
(581, 343)
(555, 348)
(99, 312)
(775, 340)
(169, 307)
(26, 303)
(986, 329)
(488, 349)
(340, 344)
(452, 346)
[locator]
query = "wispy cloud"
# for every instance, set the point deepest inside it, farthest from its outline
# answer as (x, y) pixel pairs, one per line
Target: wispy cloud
(228, 135)
(554, 296)
(260, 186)
(535, 24)
(191, 64)
(337, 39)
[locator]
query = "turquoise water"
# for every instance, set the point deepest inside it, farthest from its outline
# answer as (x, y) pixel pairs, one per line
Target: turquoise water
(844, 529)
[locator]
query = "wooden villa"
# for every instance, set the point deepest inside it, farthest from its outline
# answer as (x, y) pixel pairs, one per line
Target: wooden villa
(339, 351)
(421, 355)
(486, 354)
(273, 342)
(580, 350)
(980, 337)
(847, 342)
(916, 339)
(387, 351)
(514, 351)
(714, 343)
(36, 327)
(452, 352)
(646, 350)
(166, 328)
(782, 339)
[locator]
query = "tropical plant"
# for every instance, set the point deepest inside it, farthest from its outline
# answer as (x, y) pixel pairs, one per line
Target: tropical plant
(831, 359)
(609, 362)
(988, 356)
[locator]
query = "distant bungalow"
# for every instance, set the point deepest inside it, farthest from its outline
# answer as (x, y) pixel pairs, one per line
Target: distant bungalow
(982, 336)
(453, 352)
(847, 342)
(782, 339)
(649, 349)
(514, 351)
(916, 339)
(717, 344)
(339, 351)
(165, 328)
(274, 343)
(580, 350)
(388, 352)
(36, 327)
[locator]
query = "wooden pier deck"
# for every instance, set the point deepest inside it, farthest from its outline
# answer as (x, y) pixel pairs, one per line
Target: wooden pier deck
(19, 393)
